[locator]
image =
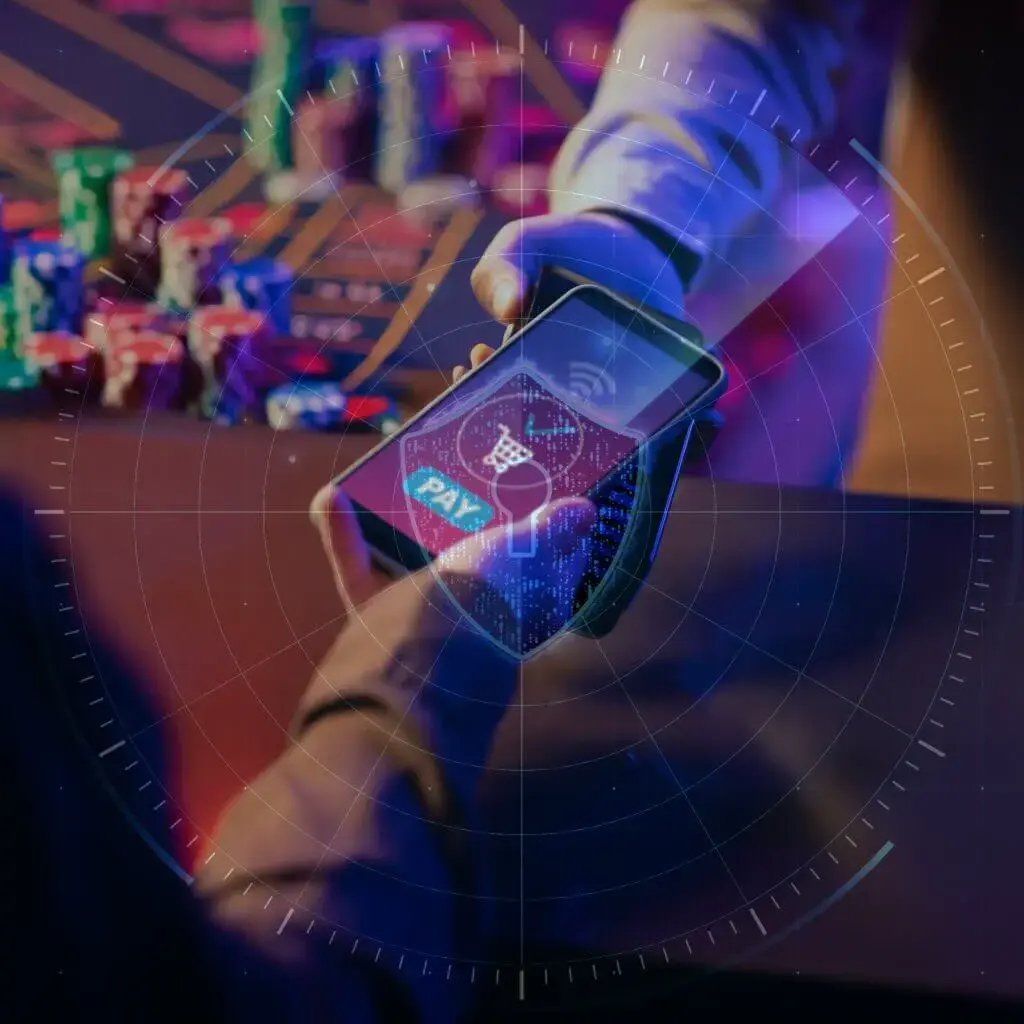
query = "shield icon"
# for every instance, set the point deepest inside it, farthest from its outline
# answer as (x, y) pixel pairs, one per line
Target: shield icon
(495, 456)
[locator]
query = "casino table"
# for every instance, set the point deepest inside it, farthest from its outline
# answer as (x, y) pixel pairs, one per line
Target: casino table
(817, 713)
(194, 563)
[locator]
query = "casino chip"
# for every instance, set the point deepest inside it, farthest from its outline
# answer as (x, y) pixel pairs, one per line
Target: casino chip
(5, 248)
(8, 323)
(62, 362)
(261, 284)
(228, 345)
(352, 85)
(144, 201)
(419, 112)
(85, 177)
(318, 130)
(279, 81)
(144, 370)
(323, 406)
(111, 318)
(193, 252)
(48, 294)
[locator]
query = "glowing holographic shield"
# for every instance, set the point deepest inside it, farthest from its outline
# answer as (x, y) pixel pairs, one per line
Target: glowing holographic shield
(498, 458)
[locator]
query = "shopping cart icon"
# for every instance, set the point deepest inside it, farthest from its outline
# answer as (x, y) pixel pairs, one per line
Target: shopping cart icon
(507, 452)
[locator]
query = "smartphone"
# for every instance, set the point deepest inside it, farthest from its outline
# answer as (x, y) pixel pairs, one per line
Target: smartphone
(568, 406)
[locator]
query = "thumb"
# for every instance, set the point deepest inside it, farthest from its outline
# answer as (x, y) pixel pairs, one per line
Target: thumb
(504, 275)
(561, 529)
(511, 264)
(348, 555)
(564, 524)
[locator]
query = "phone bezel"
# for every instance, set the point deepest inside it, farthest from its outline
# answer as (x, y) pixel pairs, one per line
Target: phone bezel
(399, 553)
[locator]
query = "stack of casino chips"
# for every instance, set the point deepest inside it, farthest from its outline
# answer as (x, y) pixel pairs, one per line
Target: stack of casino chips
(488, 86)
(193, 253)
(144, 201)
(111, 319)
(64, 363)
(282, 66)
(323, 406)
(85, 177)
(5, 248)
(228, 346)
(419, 115)
(351, 87)
(11, 369)
(144, 370)
(318, 134)
(264, 285)
(13, 373)
(8, 322)
(47, 278)
(315, 405)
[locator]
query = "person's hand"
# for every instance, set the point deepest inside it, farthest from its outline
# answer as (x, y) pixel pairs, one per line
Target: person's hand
(348, 555)
(539, 588)
(599, 246)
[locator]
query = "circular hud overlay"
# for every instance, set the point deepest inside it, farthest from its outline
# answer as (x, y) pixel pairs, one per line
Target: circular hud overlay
(722, 768)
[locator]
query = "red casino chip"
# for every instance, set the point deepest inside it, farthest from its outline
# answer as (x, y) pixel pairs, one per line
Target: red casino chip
(48, 349)
(374, 412)
(65, 362)
(199, 232)
(210, 327)
(143, 200)
(109, 319)
(228, 345)
(144, 369)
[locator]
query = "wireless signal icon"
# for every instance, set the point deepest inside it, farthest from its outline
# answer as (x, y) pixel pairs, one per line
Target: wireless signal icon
(590, 381)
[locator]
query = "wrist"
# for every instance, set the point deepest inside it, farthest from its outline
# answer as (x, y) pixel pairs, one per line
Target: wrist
(682, 258)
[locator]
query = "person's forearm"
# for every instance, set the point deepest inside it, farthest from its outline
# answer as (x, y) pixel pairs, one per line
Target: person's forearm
(682, 155)
(360, 830)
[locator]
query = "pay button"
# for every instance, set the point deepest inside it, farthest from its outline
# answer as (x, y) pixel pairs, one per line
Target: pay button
(451, 501)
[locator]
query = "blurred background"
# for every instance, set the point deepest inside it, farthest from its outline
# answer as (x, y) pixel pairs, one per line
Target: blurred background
(234, 255)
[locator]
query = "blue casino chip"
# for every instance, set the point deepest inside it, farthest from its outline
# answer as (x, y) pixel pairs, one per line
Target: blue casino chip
(264, 285)
(322, 405)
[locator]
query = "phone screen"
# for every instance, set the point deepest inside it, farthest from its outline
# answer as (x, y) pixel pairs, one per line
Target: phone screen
(548, 416)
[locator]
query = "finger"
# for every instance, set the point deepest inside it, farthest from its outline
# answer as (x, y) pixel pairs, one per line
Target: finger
(501, 287)
(597, 246)
(509, 268)
(564, 523)
(458, 372)
(560, 527)
(480, 354)
(347, 552)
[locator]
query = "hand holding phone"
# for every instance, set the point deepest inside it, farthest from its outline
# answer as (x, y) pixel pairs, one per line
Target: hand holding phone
(565, 409)
(481, 573)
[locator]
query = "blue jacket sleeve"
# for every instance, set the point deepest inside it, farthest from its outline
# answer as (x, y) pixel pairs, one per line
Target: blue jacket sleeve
(670, 137)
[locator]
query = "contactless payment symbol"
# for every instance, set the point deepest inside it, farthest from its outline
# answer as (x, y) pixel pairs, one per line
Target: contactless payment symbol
(456, 505)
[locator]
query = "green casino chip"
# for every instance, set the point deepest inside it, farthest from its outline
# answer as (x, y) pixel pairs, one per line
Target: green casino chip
(282, 66)
(85, 177)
